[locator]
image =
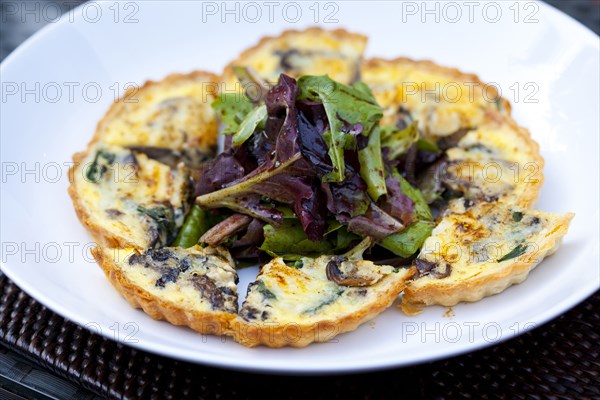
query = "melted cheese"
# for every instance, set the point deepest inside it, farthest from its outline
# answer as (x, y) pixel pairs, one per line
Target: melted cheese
(496, 161)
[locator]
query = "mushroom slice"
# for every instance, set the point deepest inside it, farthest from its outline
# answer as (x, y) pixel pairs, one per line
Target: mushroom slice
(192, 157)
(346, 272)
(224, 229)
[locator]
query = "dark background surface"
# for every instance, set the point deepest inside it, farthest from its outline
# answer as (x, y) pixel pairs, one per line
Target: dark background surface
(44, 356)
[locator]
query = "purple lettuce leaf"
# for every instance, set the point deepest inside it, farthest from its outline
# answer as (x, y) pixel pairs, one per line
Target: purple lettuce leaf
(312, 212)
(251, 204)
(375, 223)
(304, 194)
(351, 205)
(218, 172)
(351, 129)
(348, 198)
(281, 121)
(253, 236)
(398, 204)
(312, 123)
(260, 147)
(279, 140)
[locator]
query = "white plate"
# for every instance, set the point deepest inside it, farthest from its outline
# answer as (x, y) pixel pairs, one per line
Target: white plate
(553, 61)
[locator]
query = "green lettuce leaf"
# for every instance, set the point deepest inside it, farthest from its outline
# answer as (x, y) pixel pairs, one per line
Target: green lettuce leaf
(232, 108)
(410, 240)
(247, 127)
(422, 210)
(426, 145)
(399, 141)
(291, 243)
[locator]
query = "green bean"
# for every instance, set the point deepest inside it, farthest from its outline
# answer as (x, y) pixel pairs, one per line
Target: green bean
(371, 166)
(194, 226)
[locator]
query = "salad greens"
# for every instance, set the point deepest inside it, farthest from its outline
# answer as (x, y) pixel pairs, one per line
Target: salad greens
(371, 166)
(351, 111)
(309, 165)
(290, 242)
(410, 240)
(421, 209)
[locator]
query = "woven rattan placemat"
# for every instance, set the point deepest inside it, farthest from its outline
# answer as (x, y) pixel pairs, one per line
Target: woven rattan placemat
(559, 359)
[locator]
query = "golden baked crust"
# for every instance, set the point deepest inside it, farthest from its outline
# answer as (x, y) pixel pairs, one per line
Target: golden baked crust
(340, 54)
(299, 330)
(210, 322)
(461, 99)
(464, 242)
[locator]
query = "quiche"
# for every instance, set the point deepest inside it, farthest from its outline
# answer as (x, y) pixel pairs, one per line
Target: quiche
(128, 188)
(315, 301)
(173, 113)
(481, 249)
(131, 189)
(313, 51)
(497, 161)
(196, 287)
(127, 199)
(442, 100)
(489, 156)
